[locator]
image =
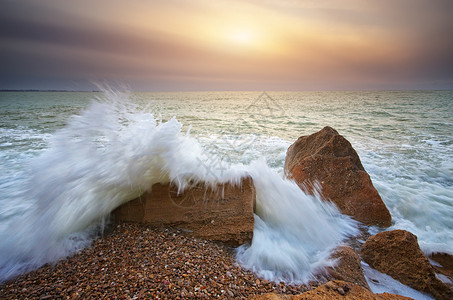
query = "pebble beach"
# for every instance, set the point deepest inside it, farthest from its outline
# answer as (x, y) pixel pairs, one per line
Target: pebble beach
(135, 261)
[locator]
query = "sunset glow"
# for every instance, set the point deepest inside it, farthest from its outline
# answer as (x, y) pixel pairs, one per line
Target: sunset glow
(242, 37)
(228, 45)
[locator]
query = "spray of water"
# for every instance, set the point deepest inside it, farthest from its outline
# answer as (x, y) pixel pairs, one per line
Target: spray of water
(294, 233)
(113, 152)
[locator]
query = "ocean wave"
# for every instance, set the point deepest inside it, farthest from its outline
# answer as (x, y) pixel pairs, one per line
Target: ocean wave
(114, 151)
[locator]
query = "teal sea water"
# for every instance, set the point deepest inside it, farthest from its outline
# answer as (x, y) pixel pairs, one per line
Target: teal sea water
(68, 159)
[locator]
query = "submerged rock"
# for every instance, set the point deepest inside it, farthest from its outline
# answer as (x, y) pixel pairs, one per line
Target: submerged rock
(223, 213)
(398, 254)
(348, 267)
(328, 159)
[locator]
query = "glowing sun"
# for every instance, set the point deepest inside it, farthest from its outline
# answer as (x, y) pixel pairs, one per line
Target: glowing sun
(242, 37)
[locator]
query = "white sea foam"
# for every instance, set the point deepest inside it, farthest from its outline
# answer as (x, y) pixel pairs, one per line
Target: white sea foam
(383, 283)
(419, 196)
(113, 152)
(294, 233)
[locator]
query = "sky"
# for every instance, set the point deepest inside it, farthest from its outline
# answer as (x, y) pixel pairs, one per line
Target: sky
(204, 45)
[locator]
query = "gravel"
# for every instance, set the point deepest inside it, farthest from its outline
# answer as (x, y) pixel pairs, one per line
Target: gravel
(135, 261)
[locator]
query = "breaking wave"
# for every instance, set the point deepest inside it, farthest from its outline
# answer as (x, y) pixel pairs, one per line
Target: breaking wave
(114, 151)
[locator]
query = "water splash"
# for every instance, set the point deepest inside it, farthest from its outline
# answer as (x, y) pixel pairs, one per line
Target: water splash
(294, 233)
(114, 151)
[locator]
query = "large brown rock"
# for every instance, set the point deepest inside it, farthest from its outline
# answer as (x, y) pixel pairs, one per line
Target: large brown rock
(334, 290)
(398, 254)
(348, 267)
(223, 213)
(327, 158)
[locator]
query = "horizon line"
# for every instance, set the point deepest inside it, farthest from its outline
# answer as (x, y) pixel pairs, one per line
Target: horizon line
(220, 91)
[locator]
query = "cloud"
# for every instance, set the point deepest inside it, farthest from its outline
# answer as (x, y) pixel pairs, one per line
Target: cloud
(316, 44)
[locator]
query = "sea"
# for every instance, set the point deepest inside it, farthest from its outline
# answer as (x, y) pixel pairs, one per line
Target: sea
(69, 158)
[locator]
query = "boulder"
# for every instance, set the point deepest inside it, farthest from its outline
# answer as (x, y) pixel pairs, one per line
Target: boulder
(334, 290)
(398, 254)
(328, 159)
(222, 213)
(348, 267)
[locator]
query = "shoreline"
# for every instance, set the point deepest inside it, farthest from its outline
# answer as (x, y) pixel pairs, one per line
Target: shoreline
(135, 261)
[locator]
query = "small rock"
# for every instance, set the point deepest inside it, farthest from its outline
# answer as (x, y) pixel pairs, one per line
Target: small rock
(330, 285)
(398, 254)
(348, 266)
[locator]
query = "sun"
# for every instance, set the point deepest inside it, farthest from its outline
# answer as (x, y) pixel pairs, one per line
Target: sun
(234, 38)
(242, 37)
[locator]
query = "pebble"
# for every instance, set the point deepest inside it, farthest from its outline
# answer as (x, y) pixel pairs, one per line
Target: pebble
(136, 261)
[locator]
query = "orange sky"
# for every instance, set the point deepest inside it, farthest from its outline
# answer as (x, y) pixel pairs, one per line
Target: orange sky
(227, 45)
